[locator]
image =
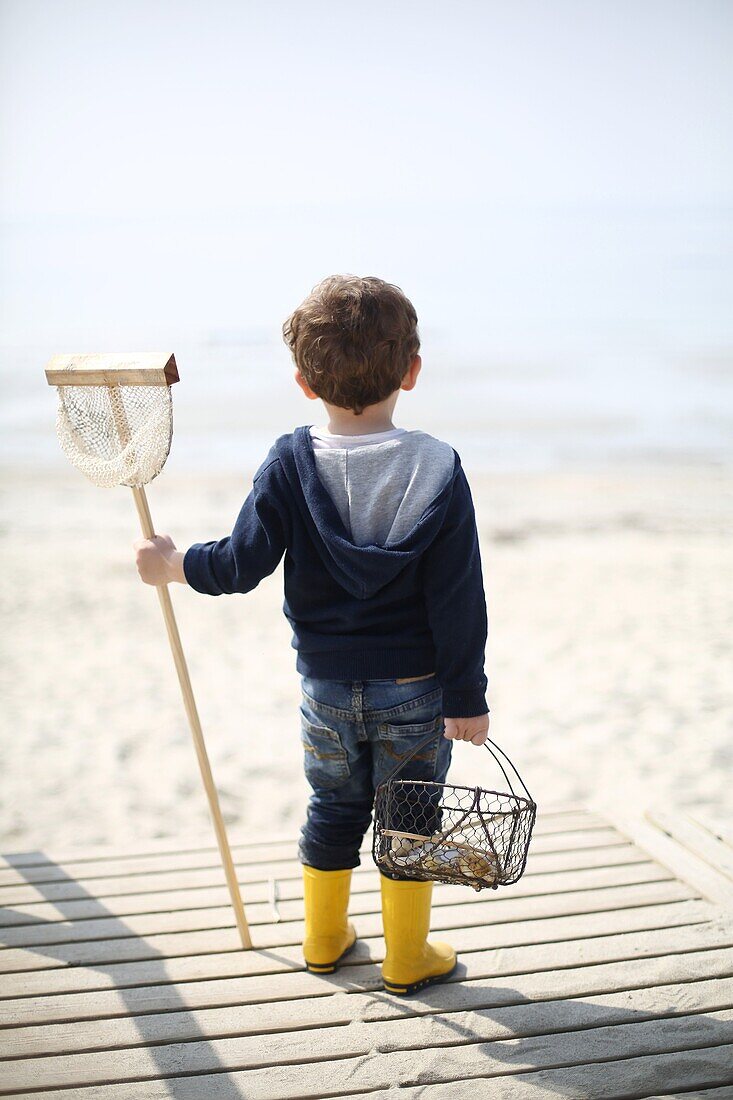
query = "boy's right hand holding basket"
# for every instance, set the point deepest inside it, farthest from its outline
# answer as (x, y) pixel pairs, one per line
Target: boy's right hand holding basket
(475, 730)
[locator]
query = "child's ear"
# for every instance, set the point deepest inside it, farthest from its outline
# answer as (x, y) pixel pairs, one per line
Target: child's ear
(305, 387)
(408, 382)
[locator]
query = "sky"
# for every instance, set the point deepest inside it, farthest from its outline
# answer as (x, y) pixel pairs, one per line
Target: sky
(549, 182)
(534, 175)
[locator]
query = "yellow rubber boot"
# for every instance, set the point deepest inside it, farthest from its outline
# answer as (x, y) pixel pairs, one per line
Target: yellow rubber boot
(411, 962)
(328, 934)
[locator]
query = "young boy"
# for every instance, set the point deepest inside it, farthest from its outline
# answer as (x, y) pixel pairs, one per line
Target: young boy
(384, 593)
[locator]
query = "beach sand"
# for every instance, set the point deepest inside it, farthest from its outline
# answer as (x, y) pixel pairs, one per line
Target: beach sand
(610, 598)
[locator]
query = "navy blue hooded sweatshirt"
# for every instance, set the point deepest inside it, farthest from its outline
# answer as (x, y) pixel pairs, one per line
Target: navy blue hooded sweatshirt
(360, 612)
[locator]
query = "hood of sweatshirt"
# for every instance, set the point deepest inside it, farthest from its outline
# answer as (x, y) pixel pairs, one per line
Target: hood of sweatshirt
(363, 568)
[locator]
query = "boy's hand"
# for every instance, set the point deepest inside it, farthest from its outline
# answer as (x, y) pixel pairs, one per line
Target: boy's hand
(475, 730)
(158, 562)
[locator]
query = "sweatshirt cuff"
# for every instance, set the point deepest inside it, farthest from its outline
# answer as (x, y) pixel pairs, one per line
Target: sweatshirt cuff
(198, 572)
(464, 704)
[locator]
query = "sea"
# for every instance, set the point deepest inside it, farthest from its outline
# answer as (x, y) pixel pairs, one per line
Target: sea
(581, 409)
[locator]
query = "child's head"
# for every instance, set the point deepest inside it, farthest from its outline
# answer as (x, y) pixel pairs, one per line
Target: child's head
(353, 340)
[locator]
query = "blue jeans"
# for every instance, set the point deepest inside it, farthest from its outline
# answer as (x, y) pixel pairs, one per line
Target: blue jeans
(354, 733)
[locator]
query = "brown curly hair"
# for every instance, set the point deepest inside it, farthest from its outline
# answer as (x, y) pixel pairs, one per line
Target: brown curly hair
(353, 340)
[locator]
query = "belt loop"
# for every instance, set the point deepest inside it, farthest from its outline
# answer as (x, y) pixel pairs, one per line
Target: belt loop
(357, 702)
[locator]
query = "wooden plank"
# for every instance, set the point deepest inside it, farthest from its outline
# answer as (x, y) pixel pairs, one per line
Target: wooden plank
(470, 943)
(697, 1094)
(191, 845)
(695, 838)
(116, 1015)
(364, 879)
(711, 967)
(290, 907)
(259, 871)
(684, 863)
(113, 369)
(716, 822)
(608, 1080)
(430, 1062)
(428, 1034)
(260, 867)
(138, 881)
(13, 871)
(217, 980)
(56, 961)
(141, 866)
(155, 849)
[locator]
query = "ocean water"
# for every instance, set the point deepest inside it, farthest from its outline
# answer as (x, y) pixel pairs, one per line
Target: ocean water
(550, 338)
(584, 408)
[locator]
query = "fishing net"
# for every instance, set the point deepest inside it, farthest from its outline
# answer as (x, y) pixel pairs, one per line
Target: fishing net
(115, 424)
(116, 435)
(452, 834)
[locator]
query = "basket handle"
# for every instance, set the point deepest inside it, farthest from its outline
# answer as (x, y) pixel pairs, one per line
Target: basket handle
(431, 737)
(489, 742)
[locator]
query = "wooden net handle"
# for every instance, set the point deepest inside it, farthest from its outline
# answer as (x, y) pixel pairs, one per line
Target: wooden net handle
(194, 722)
(189, 702)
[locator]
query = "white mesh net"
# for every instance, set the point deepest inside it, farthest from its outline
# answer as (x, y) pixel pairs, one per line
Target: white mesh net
(116, 435)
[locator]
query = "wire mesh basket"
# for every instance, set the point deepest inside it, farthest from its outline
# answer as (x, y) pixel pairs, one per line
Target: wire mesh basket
(446, 833)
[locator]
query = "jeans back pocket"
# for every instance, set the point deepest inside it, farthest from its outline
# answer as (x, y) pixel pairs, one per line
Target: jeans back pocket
(326, 762)
(398, 739)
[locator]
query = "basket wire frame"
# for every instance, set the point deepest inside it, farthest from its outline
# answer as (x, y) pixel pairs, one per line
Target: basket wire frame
(446, 833)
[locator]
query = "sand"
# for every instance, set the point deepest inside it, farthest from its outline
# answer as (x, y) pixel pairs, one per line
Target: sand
(610, 597)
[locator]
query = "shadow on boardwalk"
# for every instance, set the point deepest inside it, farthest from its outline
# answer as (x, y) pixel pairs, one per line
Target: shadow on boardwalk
(157, 974)
(531, 1025)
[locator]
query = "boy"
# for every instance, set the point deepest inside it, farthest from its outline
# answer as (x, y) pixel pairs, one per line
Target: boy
(384, 593)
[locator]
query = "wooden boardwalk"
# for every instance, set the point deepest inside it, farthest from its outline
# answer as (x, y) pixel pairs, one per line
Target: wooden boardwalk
(606, 971)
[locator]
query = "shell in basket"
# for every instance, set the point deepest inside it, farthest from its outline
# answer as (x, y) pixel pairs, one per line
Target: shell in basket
(444, 859)
(448, 833)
